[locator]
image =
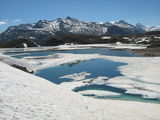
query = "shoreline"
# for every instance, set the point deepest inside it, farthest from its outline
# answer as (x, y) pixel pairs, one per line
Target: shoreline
(147, 52)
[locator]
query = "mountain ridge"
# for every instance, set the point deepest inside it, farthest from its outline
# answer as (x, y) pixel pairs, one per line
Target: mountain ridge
(44, 29)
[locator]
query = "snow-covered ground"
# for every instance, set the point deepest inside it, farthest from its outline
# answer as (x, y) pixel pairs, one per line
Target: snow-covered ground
(28, 97)
(140, 75)
(72, 47)
(11, 61)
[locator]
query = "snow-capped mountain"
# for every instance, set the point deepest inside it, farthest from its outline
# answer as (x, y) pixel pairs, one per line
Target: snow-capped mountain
(141, 28)
(154, 28)
(123, 24)
(43, 29)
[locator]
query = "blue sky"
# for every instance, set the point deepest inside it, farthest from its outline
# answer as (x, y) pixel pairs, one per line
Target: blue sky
(14, 12)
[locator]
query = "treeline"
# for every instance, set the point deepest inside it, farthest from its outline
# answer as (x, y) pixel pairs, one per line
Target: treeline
(83, 39)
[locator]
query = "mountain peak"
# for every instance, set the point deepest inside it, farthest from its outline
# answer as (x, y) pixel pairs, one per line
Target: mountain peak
(41, 24)
(42, 21)
(139, 24)
(141, 27)
(123, 22)
(70, 18)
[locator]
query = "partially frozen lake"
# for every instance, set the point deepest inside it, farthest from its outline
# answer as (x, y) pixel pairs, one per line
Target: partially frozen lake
(101, 51)
(91, 69)
(95, 77)
(96, 68)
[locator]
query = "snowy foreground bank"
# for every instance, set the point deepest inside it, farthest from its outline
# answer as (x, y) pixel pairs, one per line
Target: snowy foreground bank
(26, 97)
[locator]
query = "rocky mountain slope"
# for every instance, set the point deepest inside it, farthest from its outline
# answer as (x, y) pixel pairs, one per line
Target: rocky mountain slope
(43, 29)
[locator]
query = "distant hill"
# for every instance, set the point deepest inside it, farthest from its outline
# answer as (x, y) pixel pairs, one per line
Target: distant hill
(153, 33)
(18, 43)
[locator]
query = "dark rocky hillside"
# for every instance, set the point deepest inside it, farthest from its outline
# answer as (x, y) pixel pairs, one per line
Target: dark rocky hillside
(83, 39)
(18, 43)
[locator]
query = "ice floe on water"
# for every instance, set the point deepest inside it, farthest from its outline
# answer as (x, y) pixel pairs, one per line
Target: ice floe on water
(79, 79)
(147, 94)
(98, 93)
(97, 80)
(82, 77)
(150, 91)
(77, 76)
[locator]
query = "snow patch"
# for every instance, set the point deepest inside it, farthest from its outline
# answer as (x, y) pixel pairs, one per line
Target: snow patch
(105, 37)
(99, 93)
(25, 45)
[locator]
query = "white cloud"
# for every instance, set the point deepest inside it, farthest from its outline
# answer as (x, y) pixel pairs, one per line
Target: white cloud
(17, 20)
(2, 23)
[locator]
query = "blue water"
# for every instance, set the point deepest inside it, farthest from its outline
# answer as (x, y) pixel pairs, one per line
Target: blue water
(102, 87)
(122, 96)
(127, 97)
(97, 67)
(101, 51)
